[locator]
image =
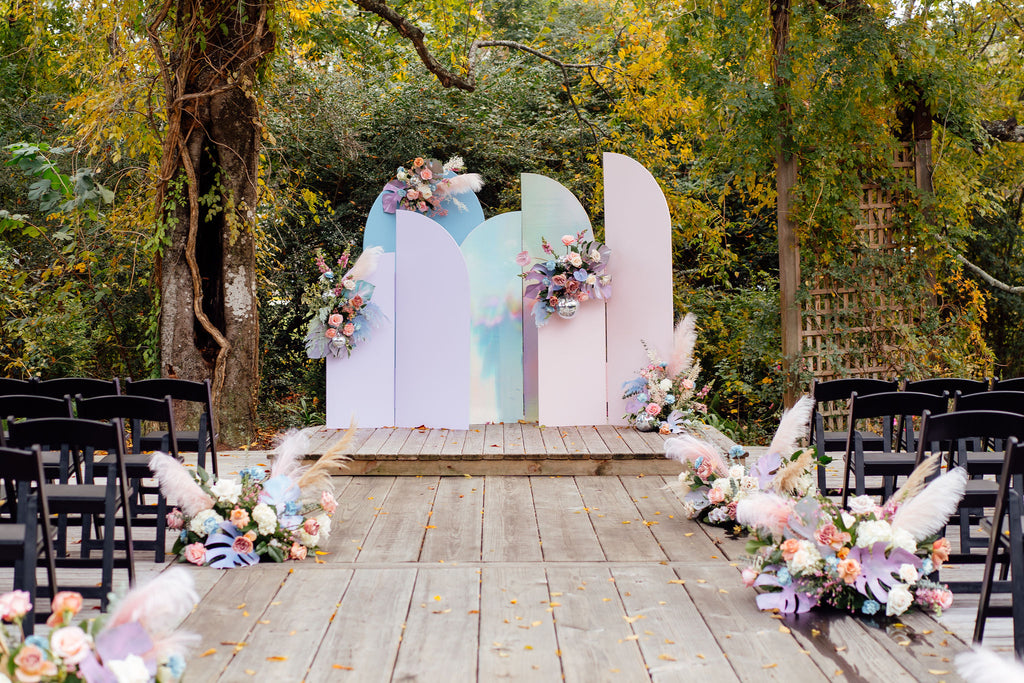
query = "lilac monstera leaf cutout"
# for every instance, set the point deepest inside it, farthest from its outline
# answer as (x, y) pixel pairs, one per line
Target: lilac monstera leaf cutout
(877, 570)
(787, 600)
(220, 552)
(765, 469)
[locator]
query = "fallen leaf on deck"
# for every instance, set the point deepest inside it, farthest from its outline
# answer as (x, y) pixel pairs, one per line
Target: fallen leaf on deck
(784, 629)
(688, 534)
(241, 606)
(630, 620)
(938, 672)
(211, 651)
(437, 598)
(679, 581)
(443, 611)
(473, 611)
(429, 526)
(263, 621)
(342, 667)
(528, 647)
(668, 658)
(277, 658)
(769, 666)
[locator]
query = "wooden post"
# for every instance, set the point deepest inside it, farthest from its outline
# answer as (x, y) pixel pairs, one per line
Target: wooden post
(785, 178)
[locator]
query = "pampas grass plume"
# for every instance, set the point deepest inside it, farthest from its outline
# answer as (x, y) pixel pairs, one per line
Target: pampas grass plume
(686, 448)
(683, 342)
(793, 427)
(766, 511)
(927, 512)
(366, 264)
(979, 665)
(178, 485)
(160, 604)
(289, 452)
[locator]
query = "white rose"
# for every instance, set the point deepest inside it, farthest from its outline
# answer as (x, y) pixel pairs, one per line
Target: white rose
(908, 573)
(575, 259)
(862, 505)
(901, 538)
(665, 384)
(848, 519)
(227, 490)
(131, 669)
(900, 599)
(265, 518)
(426, 193)
(324, 521)
(806, 559)
(348, 283)
(198, 523)
(595, 256)
(748, 484)
(871, 532)
(737, 472)
(591, 279)
(307, 539)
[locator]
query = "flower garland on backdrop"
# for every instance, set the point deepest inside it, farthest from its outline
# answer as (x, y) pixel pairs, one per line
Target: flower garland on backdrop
(427, 183)
(664, 397)
(715, 486)
(340, 310)
(134, 641)
(559, 284)
(866, 559)
(228, 522)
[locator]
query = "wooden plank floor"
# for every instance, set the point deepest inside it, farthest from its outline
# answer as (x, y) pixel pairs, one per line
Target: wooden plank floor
(529, 578)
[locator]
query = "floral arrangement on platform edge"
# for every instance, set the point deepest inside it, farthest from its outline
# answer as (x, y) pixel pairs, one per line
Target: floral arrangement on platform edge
(135, 641)
(341, 314)
(231, 522)
(559, 284)
(715, 486)
(867, 559)
(664, 396)
(427, 183)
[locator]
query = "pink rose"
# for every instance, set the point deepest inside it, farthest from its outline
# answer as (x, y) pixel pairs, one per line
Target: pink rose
(356, 301)
(688, 384)
(348, 329)
(298, 552)
(523, 259)
(412, 195)
(568, 239)
(335, 319)
(242, 545)
(558, 280)
(553, 301)
(944, 599)
(70, 643)
(652, 409)
(749, 575)
(195, 553)
(14, 605)
(239, 518)
(716, 496)
(829, 535)
(330, 333)
(582, 296)
(311, 527)
(32, 665)
(175, 519)
(67, 601)
(421, 206)
(731, 509)
(572, 286)
(328, 503)
(705, 469)
(426, 174)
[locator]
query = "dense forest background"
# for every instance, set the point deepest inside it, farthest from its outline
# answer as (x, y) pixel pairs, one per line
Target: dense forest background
(684, 87)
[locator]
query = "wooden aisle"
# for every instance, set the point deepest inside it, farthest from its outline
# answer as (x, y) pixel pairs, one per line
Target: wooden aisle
(448, 579)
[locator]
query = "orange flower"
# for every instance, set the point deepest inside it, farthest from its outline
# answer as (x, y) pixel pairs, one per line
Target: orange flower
(842, 553)
(940, 552)
(849, 570)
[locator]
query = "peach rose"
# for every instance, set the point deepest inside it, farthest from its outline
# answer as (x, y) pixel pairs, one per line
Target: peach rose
(348, 329)
(789, 548)
(240, 518)
(716, 496)
(568, 239)
(298, 552)
(195, 553)
(426, 174)
(335, 319)
(71, 644)
(251, 535)
(849, 570)
(940, 552)
(242, 545)
(32, 665)
(412, 195)
(67, 601)
(330, 333)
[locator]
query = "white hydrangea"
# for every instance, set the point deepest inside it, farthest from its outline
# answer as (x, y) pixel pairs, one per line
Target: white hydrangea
(900, 600)
(901, 538)
(265, 518)
(131, 669)
(871, 532)
(806, 559)
(748, 484)
(198, 525)
(227, 490)
(737, 472)
(722, 484)
(862, 505)
(307, 539)
(665, 384)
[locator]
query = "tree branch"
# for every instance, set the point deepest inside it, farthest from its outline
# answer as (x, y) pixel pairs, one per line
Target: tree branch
(985, 276)
(1004, 131)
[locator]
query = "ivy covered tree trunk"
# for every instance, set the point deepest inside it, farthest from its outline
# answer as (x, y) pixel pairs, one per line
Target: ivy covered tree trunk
(209, 326)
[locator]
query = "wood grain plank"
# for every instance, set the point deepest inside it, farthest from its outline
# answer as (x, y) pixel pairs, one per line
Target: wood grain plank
(494, 442)
(636, 441)
(618, 523)
(517, 631)
(456, 521)
(442, 631)
(229, 615)
(363, 639)
(565, 529)
(434, 442)
(613, 439)
(920, 646)
(654, 440)
(593, 442)
(512, 435)
(533, 442)
(757, 649)
(473, 445)
(554, 447)
(278, 646)
(454, 442)
(394, 442)
(374, 441)
(413, 444)
(593, 634)
(397, 533)
(359, 505)
(573, 442)
(510, 531)
(676, 643)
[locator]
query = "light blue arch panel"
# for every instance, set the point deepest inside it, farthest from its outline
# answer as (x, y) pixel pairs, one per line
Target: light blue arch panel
(496, 319)
(431, 326)
(380, 226)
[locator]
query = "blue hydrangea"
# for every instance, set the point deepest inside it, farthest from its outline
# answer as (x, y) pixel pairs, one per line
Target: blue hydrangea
(670, 399)
(736, 451)
(550, 265)
(832, 560)
(183, 536)
(783, 576)
(254, 473)
(870, 607)
(176, 665)
(642, 398)
(926, 566)
(210, 524)
(39, 641)
(291, 508)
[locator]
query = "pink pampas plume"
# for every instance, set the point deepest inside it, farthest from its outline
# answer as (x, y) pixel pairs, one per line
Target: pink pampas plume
(686, 448)
(365, 265)
(178, 485)
(928, 511)
(794, 426)
(461, 184)
(766, 511)
(683, 343)
(159, 604)
(288, 454)
(979, 665)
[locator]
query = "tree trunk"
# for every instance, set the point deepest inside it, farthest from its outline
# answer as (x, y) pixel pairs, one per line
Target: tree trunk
(209, 326)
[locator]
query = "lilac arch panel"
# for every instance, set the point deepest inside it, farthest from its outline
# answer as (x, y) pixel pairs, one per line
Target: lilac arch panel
(496, 319)
(564, 377)
(638, 230)
(431, 326)
(362, 386)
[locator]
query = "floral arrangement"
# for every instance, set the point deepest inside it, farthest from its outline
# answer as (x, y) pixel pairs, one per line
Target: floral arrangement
(664, 396)
(561, 283)
(715, 486)
(228, 522)
(427, 183)
(341, 313)
(135, 641)
(866, 559)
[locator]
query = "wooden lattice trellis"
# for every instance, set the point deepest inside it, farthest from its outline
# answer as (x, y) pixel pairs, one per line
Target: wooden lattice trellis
(849, 329)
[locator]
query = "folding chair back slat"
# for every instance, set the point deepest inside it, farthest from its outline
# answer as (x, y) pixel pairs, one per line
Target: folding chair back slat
(78, 386)
(198, 394)
(997, 399)
(949, 385)
(1009, 384)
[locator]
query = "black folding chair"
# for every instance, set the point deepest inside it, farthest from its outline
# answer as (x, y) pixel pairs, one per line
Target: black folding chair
(947, 385)
(952, 434)
(26, 538)
(188, 397)
(826, 396)
(134, 411)
(1009, 384)
(893, 408)
(10, 385)
(1006, 549)
(78, 386)
(29, 407)
(93, 503)
(987, 457)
